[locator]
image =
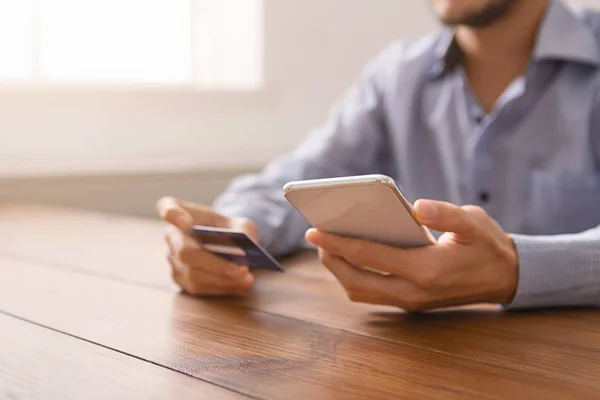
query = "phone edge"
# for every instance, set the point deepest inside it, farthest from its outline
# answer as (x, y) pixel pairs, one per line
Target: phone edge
(357, 181)
(335, 182)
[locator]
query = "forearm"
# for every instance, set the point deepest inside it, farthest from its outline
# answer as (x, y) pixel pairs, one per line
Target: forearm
(356, 126)
(330, 152)
(280, 226)
(558, 271)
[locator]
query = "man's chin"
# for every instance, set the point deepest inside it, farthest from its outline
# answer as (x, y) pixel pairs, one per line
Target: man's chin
(474, 21)
(469, 22)
(492, 13)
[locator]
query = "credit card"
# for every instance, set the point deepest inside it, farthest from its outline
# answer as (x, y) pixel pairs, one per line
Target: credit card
(234, 246)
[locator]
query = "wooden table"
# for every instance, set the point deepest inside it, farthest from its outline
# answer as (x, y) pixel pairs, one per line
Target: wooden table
(88, 311)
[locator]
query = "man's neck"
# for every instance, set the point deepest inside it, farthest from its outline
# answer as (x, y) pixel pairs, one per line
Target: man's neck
(510, 38)
(497, 54)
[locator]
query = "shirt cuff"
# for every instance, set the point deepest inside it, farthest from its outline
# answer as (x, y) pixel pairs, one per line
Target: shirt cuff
(556, 271)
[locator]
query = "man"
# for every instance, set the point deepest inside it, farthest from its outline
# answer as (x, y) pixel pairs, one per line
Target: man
(500, 110)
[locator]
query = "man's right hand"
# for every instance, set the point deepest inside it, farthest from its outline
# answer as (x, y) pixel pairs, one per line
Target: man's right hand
(195, 270)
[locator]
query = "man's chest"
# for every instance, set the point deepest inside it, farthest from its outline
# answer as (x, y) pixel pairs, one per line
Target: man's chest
(532, 162)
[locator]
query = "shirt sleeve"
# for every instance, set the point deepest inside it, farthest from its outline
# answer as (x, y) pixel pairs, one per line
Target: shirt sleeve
(351, 142)
(558, 271)
(562, 270)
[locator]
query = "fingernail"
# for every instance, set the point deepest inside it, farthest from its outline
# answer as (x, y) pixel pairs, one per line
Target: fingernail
(309, 233)
(427, 211)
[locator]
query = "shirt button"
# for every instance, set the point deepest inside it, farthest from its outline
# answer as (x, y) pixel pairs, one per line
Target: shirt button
(484, 197)
(477, 115)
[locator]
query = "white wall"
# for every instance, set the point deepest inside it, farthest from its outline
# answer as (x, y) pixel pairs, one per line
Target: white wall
(314, 50)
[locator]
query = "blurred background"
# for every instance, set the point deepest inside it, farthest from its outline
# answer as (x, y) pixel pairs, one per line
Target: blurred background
(110, 104)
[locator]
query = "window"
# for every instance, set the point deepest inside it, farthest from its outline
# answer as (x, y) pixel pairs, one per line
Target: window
(211, 44)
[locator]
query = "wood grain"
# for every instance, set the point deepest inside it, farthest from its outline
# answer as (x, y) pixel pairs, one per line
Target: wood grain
(252, 352)
(37, 363)
(86, 240)
(475, 352)
(109, 245)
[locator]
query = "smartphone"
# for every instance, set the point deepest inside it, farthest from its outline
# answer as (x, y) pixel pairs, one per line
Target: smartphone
(369, 207)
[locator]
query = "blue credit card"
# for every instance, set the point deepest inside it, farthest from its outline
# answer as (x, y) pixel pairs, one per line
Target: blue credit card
(234, 246)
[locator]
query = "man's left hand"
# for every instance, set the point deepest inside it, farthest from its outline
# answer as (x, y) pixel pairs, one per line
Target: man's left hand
(474, 261)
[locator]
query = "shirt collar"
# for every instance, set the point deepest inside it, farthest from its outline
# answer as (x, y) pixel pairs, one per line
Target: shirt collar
(564, 36)
(446, 54)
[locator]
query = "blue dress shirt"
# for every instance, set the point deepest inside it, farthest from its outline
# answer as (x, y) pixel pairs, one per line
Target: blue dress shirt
(533, 162)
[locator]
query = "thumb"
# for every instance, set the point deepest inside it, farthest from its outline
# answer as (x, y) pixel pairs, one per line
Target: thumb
(244, 225)
(446, 217)
(175, 213)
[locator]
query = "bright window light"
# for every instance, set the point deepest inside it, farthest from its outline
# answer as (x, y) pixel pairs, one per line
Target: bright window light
(207, 43)
(229, 43)
(115, 40)
(16, 39)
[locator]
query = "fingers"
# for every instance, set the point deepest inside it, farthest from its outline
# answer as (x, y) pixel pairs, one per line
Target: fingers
(364, 286)
(184, 215)
(244, 225)
(196, 270)
(358, 283)
(200, 272)
(198, 283)
(173, 212)
(481, 217)
(447, 217)
(190, 252)
(407, 264)
(425, 268)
